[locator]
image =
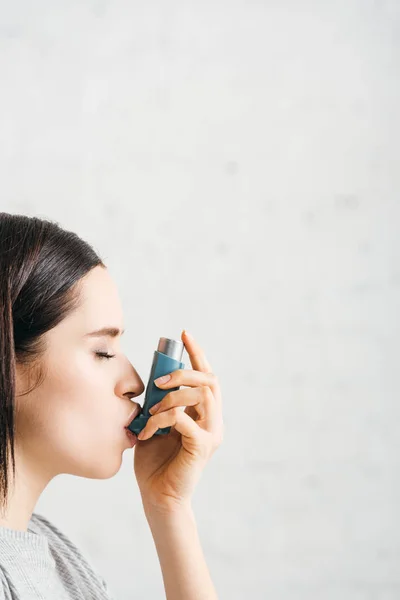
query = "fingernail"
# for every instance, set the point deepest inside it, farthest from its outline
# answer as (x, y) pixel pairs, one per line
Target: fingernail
(163, 379)
(188, 335)
(154, 408)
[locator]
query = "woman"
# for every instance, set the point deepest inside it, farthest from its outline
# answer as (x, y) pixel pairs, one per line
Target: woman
(65, 401)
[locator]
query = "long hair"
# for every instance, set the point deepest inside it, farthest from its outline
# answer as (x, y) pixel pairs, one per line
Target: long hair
(40, 263)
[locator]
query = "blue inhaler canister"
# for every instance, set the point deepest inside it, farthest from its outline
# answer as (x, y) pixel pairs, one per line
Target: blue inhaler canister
(167, 358)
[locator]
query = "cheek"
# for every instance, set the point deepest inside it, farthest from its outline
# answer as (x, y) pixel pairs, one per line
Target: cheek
(73, 420)
(76, 403)
(77, 375)
(80, 389)
(83, 402)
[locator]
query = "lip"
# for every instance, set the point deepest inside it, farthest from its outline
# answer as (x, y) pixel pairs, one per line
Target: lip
(134, 414)
(132, 437)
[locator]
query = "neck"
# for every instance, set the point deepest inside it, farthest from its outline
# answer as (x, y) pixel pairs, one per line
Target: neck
(24, 491)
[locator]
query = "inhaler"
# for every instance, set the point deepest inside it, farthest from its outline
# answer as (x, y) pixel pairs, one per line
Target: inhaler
(167, 358)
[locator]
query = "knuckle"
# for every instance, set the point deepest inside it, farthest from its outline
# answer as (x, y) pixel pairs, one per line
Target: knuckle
(168, 399)
(206, 391)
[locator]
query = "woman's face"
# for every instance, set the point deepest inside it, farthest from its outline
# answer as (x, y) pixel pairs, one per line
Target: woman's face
(74, 422)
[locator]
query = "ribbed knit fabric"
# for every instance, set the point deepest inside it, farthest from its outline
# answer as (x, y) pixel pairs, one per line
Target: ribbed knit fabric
(43, 564)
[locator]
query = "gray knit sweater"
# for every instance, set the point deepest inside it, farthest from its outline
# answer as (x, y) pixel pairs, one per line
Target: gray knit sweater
(42, 563)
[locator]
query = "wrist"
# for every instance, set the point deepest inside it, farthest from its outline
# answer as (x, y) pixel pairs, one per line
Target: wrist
(170, 510)
(176, 538)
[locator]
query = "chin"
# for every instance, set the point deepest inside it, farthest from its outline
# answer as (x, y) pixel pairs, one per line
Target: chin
(99, 468)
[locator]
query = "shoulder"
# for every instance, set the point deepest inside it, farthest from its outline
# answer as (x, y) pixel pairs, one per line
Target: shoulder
(5, 591)
(70, 561)
(55, 536)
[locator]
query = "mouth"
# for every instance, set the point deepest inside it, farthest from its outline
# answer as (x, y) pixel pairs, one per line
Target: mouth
(132, 437)
(134, 414)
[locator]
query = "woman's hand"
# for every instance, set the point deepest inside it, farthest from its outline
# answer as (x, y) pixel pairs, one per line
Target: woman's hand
(167, 467)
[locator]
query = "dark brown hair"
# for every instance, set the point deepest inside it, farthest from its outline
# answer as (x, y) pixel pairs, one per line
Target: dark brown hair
(40, 263)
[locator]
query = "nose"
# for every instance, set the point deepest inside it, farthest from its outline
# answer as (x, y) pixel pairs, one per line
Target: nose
(136, 388)
(135, 394)
(130, 384)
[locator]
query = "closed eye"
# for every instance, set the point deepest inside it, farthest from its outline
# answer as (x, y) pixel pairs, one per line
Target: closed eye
(104, 355)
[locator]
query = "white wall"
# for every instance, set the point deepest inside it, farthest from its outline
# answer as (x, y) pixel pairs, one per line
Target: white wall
(237, 166)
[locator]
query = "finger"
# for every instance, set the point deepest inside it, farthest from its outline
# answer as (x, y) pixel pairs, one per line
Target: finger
(189, 410)
(196, 354)
(187, 377)
(192, 378)
(176, 418)
(201, 399)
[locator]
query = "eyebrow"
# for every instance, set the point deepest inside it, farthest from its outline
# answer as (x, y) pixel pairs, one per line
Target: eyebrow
(106, 331)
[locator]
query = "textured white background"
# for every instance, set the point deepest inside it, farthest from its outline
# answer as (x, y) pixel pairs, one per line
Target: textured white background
(236, 164)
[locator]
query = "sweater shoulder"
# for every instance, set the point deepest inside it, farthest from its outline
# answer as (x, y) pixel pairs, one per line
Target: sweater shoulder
(5, 591)
(55, 536)
(70, 560)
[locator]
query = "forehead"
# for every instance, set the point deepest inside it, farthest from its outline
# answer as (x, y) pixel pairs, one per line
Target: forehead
(99, 306)
(100, 303)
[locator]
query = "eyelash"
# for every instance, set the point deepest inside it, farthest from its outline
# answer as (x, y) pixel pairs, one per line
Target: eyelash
(104, 355)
